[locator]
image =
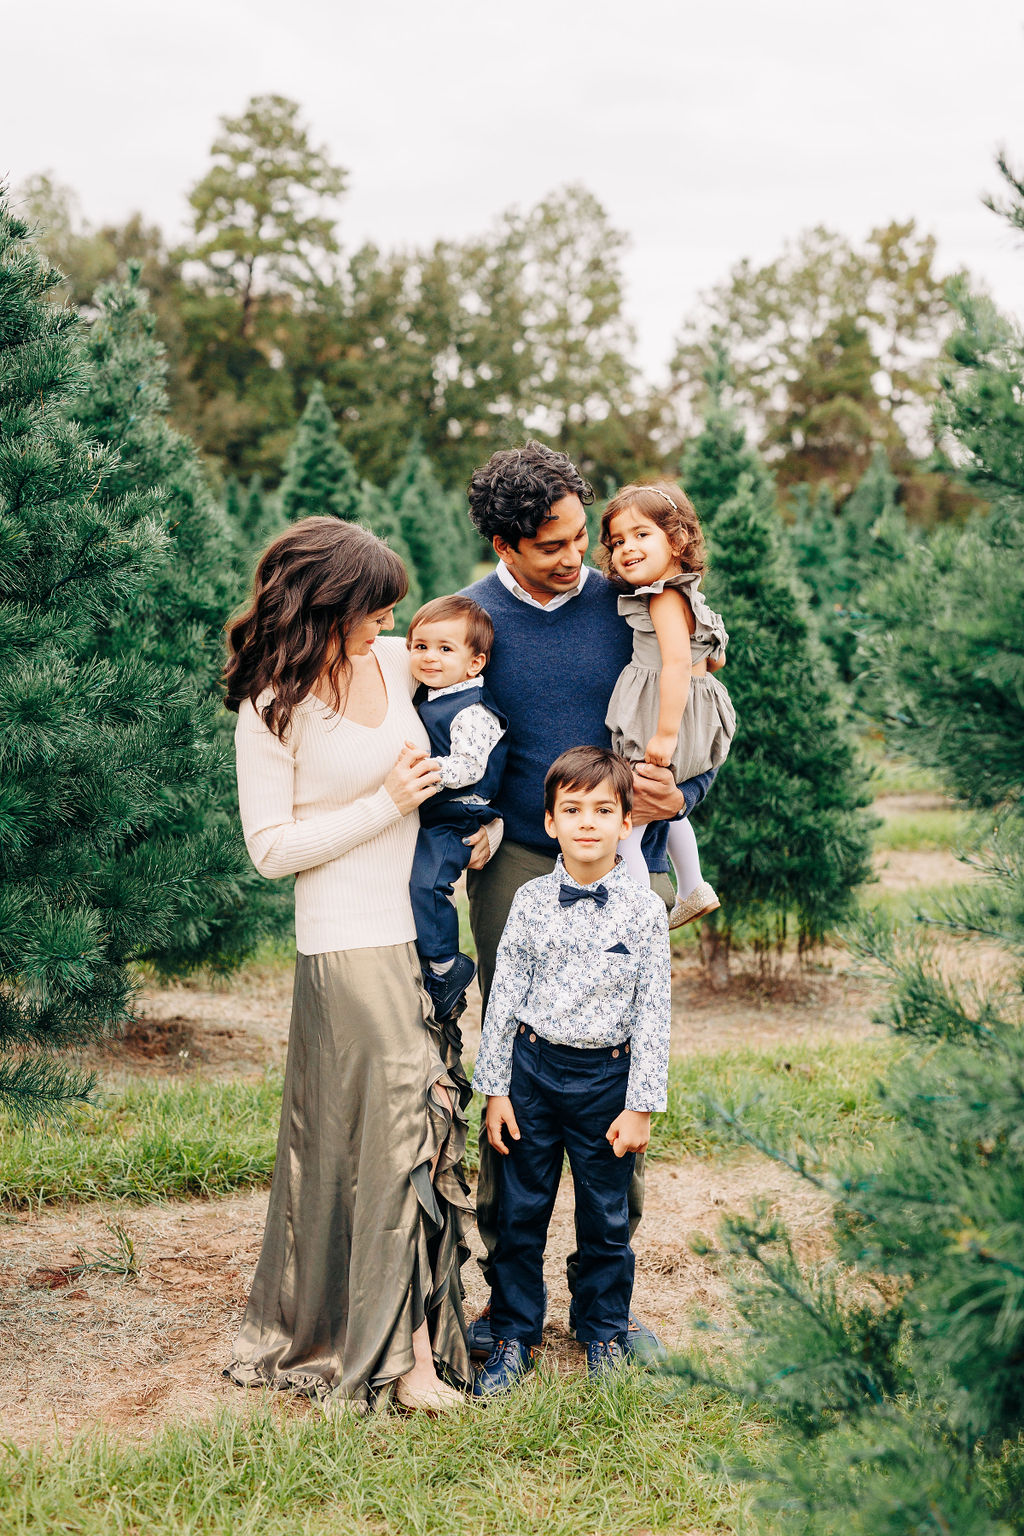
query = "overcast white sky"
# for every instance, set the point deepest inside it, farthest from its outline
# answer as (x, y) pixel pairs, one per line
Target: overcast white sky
(709, 131)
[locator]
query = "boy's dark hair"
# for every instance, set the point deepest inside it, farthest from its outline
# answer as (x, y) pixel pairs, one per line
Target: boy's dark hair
(512, 494)
(479, 629)
(585, 768)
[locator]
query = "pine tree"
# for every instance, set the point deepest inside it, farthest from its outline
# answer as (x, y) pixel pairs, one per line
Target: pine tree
(382, 519)
(320, 477)
(90, 744)
(895, 1371)
(714, 461)
(839, 557)
(781, 833)
(177, 621)
(232, 501)
(433, 531)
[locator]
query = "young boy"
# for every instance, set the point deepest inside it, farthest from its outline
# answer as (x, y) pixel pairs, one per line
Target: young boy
(574, 1058)
(449, 643)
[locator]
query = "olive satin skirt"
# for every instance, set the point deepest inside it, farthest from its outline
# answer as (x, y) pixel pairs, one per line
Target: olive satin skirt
(361, 1243)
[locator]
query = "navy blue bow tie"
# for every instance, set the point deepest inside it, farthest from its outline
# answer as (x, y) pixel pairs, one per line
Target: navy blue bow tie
(567, 894)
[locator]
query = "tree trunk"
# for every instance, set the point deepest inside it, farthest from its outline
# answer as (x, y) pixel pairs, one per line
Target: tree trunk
(714, 953)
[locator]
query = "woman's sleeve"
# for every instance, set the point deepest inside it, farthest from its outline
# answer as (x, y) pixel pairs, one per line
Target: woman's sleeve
(277, 843)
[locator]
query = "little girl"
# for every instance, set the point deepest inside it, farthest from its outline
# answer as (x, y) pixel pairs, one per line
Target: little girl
(667, 708)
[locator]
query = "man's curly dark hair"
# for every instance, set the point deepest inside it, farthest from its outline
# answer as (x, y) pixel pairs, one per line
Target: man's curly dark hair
(512, 494)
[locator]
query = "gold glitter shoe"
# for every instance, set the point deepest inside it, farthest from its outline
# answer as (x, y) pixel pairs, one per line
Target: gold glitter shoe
(699, 903)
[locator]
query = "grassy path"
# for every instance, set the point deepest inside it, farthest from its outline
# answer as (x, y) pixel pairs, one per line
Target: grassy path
(156, 1141)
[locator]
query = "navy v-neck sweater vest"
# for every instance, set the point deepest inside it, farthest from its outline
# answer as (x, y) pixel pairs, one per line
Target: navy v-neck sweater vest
(552, 674)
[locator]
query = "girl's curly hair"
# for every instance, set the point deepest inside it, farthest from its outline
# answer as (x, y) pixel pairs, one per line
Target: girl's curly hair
(512, 494)
(667, 505)
(313, 582)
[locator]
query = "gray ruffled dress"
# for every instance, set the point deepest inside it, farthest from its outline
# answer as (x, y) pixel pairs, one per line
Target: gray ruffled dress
(709, 720)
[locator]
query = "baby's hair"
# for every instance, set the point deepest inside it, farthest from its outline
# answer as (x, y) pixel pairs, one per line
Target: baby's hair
(479, 629)
(587, 768)
(667, 505)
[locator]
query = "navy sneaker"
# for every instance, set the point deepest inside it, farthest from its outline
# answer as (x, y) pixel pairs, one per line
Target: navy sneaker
(509, 1363)
(479, 1336)
(446, 991)
(605, 1357)
(641, 1344)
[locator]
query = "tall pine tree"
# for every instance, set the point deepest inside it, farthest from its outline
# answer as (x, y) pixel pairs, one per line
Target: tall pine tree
(90, 744)
(782, 834)
(177, 621)
(894, 1372)
(320, 476)
(437, 534)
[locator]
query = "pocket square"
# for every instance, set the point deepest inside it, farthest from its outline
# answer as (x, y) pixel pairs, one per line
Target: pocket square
(617, 949)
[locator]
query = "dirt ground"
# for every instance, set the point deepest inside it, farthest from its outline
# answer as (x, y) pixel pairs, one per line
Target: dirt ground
(130, 1355)
(133, 1355)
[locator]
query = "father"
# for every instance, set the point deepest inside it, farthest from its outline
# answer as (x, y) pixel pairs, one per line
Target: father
(559, 646)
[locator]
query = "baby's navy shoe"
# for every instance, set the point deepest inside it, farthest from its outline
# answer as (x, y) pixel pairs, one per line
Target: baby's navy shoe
(509, 1363)
(479, 1335)
(445, 991)
(605, 1357)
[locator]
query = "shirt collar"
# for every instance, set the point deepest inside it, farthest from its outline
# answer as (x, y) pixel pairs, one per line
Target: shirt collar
(467, 682)
(616, 872)
(510, 584)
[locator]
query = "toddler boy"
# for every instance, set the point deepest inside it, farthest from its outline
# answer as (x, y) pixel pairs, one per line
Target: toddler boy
(574, 1059)
(449, 643)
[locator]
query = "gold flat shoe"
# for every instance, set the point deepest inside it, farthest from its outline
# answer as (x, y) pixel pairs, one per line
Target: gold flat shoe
(698, 904)
(437, 1399)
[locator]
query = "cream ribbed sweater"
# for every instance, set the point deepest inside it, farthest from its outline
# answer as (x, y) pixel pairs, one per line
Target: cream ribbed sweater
(314, 806)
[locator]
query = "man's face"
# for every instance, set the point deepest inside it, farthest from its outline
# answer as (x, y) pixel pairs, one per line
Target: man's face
(548, 565)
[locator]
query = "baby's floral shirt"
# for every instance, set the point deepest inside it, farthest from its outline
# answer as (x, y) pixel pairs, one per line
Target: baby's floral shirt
(583, 975)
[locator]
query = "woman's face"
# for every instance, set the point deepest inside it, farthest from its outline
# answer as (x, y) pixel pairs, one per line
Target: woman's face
(359, 637)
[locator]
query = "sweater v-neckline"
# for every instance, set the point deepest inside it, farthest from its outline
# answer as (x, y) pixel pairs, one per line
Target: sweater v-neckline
(332, 714)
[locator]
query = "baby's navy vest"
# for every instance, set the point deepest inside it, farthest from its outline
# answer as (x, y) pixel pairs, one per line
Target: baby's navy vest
(437, 716)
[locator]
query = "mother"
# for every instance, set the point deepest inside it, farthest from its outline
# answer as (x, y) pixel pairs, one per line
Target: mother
(357, 1286)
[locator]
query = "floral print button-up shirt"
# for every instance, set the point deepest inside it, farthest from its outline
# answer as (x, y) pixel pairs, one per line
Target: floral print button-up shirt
(585, 976)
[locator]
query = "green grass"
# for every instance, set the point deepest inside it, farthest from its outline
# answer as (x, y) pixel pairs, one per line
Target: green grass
(903, 907)
(895, 775)
(163, 1141)
(923, 831)
(560, 1458)
(153, 1141)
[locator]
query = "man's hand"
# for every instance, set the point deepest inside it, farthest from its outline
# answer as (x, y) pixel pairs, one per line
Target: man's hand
(656, 795)
(630, 1132)
(500, 1114)
(480, 846)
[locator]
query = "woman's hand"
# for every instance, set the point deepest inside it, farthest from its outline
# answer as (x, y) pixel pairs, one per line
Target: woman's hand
(660, 749)
(413, 779)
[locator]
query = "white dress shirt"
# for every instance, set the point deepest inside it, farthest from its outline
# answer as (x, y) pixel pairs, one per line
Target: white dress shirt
(510, 584)
(585, 976)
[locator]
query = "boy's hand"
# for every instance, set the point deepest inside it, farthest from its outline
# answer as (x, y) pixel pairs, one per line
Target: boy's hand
(629, 1132)
(499, 1114)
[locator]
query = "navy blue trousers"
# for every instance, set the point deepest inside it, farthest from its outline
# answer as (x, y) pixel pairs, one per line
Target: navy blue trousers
(564, 1101)
(439, 860)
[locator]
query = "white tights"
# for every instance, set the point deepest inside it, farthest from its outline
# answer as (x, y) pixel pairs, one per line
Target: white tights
(682, 850)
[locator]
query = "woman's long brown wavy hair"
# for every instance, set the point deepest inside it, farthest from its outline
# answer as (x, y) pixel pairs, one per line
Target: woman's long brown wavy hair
(312, 584)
